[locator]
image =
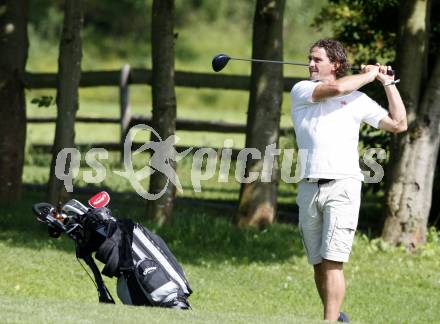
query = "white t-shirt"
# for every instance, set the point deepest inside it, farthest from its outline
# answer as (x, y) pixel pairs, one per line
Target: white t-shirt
(327, 132)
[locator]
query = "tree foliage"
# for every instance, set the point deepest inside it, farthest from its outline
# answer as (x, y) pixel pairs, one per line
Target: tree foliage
(117, 18)
(130, 19)
(370, 28)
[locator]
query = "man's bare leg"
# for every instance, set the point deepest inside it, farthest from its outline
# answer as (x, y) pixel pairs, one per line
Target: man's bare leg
(318, 280)
(329, 277)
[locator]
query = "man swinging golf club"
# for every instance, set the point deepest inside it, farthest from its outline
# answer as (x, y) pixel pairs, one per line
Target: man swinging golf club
(327, 112)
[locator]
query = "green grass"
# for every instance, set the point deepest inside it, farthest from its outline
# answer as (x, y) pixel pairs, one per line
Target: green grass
(237, 275)
(62, 311)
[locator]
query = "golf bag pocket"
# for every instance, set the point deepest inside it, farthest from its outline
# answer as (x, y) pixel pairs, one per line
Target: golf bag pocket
(155, 282)
(148, 246)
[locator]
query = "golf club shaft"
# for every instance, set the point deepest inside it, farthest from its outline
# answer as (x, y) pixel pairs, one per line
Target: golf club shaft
(354, 69)
(268, 61)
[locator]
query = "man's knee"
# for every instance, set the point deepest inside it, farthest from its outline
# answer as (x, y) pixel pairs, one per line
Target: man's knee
(322, 269)
(331, 265)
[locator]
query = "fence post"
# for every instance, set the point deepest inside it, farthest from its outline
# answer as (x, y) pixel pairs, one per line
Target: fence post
(124, 102)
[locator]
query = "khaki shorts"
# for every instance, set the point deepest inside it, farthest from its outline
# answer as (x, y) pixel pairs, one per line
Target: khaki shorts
(328, 216)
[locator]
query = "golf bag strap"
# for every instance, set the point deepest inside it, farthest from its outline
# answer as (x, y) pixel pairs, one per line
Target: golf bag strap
(115, 252)
(103, 293)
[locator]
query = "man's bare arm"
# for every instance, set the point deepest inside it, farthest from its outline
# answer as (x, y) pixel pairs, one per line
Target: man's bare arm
(345, 84)
(396, 121)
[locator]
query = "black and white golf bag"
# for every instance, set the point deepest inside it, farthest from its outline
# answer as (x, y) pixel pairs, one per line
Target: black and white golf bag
(148, 273)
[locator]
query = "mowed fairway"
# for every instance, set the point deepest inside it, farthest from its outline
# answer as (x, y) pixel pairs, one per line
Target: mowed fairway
(237, 275)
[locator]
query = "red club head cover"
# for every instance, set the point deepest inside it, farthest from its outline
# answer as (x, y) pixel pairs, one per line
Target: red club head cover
(99, 200)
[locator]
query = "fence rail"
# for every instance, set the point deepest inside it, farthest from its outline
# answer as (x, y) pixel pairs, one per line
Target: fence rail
(181, 124)
(125, 77)
(47, 148)
(144, 76)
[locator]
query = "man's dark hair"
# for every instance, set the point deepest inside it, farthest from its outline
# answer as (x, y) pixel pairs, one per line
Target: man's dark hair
(336, 53)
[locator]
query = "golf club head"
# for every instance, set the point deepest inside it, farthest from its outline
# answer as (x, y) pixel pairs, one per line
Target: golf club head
(42, 210)
(75, 207)
(219, 62)
(46, 213)
(100, 200)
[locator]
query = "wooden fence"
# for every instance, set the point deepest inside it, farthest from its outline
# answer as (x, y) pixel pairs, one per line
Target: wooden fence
(127, 76)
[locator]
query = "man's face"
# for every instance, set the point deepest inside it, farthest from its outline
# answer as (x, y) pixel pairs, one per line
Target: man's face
(320, 67)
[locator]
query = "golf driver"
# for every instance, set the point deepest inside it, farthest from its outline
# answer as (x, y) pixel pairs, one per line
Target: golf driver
(220, 60)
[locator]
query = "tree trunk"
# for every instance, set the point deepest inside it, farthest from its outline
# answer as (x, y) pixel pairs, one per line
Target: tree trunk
(414, 153)
(69, 74)
(13, 56)
(164, 103)
(409, 198)
(258, 205)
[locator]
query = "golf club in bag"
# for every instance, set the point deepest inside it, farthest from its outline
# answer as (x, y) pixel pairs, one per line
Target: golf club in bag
(148, 273)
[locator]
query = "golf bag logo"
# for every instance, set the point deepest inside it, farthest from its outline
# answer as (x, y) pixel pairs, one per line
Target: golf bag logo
(149, 270)
(163, 155)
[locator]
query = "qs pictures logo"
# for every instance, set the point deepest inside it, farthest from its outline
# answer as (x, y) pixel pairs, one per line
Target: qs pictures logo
(163, 156)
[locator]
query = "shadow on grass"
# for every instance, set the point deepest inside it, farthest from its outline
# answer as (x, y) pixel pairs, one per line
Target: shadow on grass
(198, 235)
(222, 190)
(204, 238)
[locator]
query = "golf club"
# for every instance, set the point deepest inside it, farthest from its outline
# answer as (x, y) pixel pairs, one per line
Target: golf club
(220, 60)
